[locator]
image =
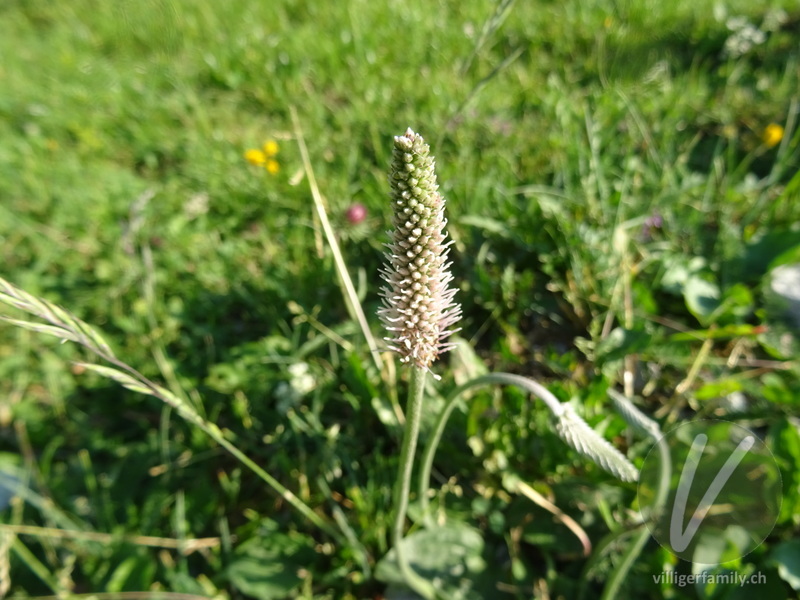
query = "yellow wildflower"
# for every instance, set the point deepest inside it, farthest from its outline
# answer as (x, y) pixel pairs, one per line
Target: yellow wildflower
(270, 147)
(772, 136)
(255, 157)
(264, 157)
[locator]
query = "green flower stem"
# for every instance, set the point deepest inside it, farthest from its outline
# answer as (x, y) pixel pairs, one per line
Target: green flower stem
(614, 582)
(526, 384)
(402, 487)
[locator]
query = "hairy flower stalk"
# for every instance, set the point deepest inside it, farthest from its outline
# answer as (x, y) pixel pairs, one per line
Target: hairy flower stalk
(418, 308)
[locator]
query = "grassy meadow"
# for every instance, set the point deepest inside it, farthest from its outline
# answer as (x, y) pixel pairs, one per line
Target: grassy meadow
(623, 188)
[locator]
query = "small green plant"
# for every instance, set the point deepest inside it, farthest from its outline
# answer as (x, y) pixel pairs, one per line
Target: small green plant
(419, 313)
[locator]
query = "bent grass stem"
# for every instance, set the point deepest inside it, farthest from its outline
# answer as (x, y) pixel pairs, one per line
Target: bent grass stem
(526, 384)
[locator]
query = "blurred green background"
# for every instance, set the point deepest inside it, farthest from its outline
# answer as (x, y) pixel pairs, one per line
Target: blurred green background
(623, 190)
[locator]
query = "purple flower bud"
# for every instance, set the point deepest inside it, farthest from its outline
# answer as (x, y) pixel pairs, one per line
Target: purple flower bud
(654, 221)
(356, 213)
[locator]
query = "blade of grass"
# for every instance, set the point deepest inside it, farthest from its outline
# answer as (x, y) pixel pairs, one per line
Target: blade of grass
(350, 295)
(185, 546)
(36, 566)
(482, 84)
(531, 494)
(492, 24)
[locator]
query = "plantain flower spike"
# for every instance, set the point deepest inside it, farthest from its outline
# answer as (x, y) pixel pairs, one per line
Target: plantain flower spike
(418, 308)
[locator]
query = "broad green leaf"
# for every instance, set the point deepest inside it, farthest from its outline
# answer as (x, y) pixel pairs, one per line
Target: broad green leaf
(786, 558)
(449, 556)
(679, 269)
(265, 580)
(701, 297)
(767, 251)
(736, 305)
(621, 342)
(267, 567)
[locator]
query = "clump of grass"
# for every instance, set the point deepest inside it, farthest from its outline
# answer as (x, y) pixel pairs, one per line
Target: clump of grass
(62, 324)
